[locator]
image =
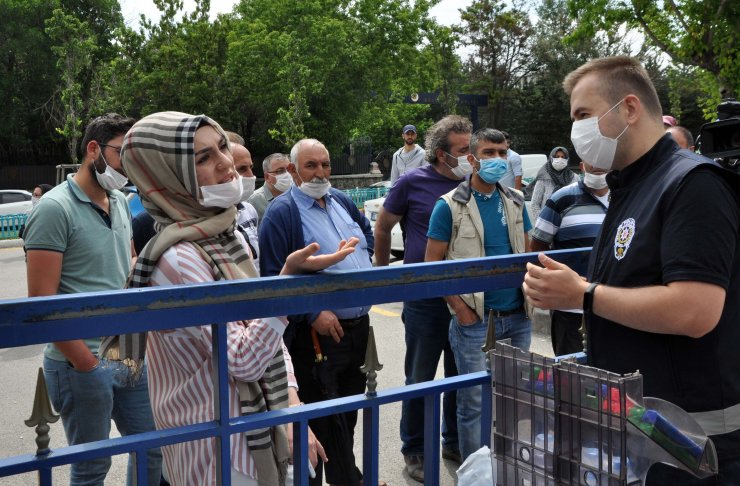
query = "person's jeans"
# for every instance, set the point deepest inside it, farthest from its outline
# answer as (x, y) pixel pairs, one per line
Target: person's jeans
(87, 402)
(466, 342)
(427, 325)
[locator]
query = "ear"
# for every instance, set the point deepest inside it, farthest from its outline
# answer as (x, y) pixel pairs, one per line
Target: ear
(634, 108)
(439, 155)
(92, 149)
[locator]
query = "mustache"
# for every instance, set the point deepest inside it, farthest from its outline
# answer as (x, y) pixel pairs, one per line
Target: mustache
(319, 180)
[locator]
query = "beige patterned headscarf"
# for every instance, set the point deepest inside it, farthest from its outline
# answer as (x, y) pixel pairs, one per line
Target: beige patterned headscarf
(158, 156)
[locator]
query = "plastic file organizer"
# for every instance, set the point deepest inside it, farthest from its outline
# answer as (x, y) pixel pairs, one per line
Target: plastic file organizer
(563, 423)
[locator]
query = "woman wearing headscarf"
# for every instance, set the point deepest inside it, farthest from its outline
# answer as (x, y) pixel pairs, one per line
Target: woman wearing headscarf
(184, 171)
(551, 177)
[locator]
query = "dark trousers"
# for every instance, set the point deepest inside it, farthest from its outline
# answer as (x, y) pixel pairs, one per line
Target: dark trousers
(344, 360)
(565, 334)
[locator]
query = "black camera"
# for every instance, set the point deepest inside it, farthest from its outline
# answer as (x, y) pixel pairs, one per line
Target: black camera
(720, 140)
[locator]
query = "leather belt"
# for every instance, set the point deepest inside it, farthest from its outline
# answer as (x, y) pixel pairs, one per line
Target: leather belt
(503, 313)
(350, 323)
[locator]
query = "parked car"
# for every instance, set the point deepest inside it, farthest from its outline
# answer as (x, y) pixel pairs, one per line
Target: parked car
(15, 201)
(372, 208)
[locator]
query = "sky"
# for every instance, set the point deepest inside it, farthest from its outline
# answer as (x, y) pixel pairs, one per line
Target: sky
(446, 11)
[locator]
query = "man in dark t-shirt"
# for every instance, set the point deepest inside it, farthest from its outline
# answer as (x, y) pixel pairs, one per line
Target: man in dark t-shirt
(426, 321)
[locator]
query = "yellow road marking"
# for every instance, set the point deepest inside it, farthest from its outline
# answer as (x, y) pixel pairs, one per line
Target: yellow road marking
(384, 312)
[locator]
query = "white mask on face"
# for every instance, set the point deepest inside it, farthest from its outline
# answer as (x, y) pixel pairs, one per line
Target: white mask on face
(282, 182)
(559, 164)
(591, 144)
(111, 179)
(315, 189)
(34, 201)
(222, 195)
(594, 181)
(463, 166)
(248, 186)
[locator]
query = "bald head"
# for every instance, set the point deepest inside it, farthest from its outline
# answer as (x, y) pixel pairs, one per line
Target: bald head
(682, 136)
(242, 160)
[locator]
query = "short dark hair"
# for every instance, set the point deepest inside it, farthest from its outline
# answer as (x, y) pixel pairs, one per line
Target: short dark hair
(505, 134)
(104, 128)
(488, 135)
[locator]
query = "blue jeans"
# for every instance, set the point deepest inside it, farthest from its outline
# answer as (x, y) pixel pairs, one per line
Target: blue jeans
(427, 325)
(466, 342)
(87, 402)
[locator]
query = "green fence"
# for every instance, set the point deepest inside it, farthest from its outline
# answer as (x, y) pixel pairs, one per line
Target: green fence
(10, 224)
(361, 194)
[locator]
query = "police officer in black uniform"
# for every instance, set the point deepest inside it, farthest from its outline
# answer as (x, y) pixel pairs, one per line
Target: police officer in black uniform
(663, 289)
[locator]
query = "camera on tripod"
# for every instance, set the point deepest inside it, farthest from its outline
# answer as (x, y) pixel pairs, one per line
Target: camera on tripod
(720, 140)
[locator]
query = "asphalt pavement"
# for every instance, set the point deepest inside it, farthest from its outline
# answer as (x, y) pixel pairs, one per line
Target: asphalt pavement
(19, 367)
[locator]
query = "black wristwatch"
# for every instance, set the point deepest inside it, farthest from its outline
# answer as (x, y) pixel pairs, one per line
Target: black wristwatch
(588, 298)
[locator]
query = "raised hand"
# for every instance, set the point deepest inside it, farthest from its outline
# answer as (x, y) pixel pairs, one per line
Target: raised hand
(306, 261)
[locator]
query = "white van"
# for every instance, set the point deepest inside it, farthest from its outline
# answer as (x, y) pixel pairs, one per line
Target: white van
(531, 163)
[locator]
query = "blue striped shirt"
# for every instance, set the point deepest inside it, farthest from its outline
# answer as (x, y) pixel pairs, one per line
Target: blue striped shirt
(571, 218)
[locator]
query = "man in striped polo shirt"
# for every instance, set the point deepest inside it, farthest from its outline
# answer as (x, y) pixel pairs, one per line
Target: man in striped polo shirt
(571, 218)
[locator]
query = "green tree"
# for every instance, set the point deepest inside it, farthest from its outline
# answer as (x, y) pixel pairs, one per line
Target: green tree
(700, 33)
(74, 46)
(501, 39)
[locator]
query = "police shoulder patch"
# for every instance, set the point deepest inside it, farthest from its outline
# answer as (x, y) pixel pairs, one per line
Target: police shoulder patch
(622, 240)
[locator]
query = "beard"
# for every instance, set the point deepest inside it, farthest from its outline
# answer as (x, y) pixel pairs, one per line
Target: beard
(410, 142)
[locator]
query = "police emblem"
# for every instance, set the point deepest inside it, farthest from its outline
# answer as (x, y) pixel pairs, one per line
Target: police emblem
(625, 233)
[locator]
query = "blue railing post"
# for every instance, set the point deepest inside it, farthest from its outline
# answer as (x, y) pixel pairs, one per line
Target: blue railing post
(300, 453)
(221, 403)
(486, 414)
(370, 444)
(432, 417)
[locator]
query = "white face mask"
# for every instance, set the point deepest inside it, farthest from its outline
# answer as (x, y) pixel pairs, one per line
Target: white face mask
(591, 144)
(316, 189)
(559, 164)
(248, 186)
(594, 181)
(34, 201)
(222, 195)
(283, 182)
(463, 166)
(111, 179)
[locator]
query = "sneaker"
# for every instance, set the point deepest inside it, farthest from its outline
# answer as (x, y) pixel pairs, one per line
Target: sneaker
(415, 467)
(452, 455)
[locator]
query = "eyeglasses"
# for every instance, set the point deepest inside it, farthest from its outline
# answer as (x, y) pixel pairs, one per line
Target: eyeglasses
(277, 172)
(117, 149)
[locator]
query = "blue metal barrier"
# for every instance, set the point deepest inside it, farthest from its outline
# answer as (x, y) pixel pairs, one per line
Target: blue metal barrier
(10, 224)
(58, 318)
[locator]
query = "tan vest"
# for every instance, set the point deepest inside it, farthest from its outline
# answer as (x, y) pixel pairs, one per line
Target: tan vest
(466, 240)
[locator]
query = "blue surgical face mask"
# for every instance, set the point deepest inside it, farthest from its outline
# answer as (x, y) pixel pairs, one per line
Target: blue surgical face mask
(492, 170)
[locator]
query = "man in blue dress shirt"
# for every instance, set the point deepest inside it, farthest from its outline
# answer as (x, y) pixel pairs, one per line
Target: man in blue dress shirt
(312, 212)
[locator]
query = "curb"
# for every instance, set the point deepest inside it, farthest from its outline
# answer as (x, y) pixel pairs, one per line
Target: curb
(12, 243)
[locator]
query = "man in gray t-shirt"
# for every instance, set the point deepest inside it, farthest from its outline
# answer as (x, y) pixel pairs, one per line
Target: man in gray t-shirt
(408, 157)
(513, 176)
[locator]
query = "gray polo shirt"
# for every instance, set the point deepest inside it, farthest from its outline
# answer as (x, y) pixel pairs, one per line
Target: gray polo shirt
(96, 246)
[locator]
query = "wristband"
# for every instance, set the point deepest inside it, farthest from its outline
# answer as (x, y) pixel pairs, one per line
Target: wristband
(588, 298)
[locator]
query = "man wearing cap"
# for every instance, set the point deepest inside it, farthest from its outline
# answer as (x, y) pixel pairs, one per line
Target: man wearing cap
(669, 121)
(409, 156)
